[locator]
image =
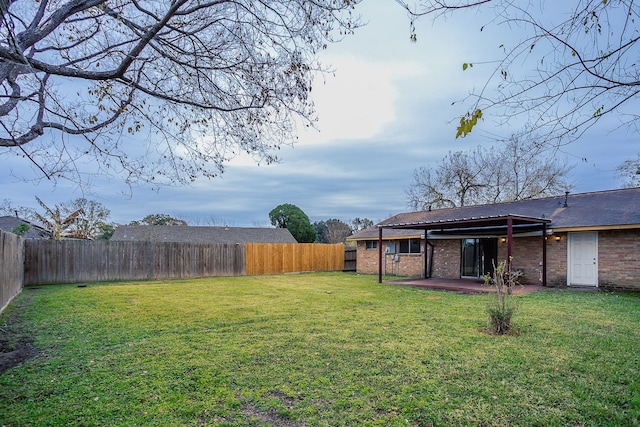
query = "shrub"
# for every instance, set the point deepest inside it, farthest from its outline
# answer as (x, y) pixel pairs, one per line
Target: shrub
(21, 229)
(502, 308)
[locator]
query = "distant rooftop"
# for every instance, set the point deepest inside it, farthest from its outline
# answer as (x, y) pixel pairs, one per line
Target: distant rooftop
(199, 234)
(9, 223)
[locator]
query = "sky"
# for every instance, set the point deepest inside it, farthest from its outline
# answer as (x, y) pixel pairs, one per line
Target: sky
(385, 111)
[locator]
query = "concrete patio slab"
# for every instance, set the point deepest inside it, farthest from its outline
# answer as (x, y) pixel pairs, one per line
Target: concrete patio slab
(467, 286)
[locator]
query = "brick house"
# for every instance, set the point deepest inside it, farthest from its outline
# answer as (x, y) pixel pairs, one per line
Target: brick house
(587, 239)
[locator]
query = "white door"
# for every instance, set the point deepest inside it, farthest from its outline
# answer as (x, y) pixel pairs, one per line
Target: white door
(583, 259)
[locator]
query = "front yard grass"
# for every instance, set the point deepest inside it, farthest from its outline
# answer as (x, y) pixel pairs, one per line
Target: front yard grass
(321, 349)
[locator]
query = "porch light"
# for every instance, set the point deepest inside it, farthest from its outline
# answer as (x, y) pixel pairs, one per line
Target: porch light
(503, 239)
(557, 238)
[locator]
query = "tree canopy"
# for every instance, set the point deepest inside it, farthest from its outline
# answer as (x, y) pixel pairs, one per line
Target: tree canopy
(92, 222)
(564, 65)
(358, 224)
(295, 220)
(513, 172)
(158, 91)
(159, 219)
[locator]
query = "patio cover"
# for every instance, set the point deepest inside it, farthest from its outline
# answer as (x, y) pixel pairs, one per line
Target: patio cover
(493, 225)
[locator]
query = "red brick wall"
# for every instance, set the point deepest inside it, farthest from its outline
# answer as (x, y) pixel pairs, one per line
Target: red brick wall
(527, 254)
(446, 259)
(557, 260)
(367, 259)
(619, 259)
(411, 265)
(527, 257)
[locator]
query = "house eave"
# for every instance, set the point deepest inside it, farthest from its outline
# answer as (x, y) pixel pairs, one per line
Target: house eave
(597, 228)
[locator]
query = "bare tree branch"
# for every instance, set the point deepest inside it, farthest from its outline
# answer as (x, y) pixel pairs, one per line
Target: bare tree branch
(581, 58)
(162, 92)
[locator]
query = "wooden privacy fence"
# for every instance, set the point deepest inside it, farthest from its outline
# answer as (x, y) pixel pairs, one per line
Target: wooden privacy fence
(77, 261)
(272, 258)
(11, 267)
(350, 258)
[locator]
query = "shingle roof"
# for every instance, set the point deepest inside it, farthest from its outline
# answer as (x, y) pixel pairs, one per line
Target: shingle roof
(8, 223)
(602, 209)
(179, 233)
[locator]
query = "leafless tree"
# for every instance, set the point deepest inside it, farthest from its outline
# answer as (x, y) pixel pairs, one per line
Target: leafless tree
(518, 171)
(580, 64)
(513, 172)
(57, 220)
(158, 91)
(457, 181)
(8, 208)
(208, 221)
(629, 172)
(335, 231)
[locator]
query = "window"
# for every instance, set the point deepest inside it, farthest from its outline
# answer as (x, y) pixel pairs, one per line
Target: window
(409, 246)
(371, 244)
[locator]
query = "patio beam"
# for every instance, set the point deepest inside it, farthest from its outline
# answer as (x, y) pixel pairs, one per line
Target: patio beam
(379, 254)
(509, 241)
(426, 253)
(544, 254)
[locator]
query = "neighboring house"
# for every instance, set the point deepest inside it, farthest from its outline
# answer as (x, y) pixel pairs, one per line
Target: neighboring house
(587, 239)
(9, 223)
(192, 234)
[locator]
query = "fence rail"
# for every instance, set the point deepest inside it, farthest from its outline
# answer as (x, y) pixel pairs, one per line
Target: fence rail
(77, 261)
(11, 267)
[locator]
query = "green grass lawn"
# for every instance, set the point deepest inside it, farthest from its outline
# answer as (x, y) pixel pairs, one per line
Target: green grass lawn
(330, 349)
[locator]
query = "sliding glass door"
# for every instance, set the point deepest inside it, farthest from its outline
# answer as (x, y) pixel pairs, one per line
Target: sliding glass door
(478, 257)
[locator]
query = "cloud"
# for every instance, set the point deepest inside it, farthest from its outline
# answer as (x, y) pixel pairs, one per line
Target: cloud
(368, 97)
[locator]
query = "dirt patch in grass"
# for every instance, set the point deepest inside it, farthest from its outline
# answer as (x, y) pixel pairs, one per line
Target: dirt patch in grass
(14, 355)
(16, 345)
(272, 416)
